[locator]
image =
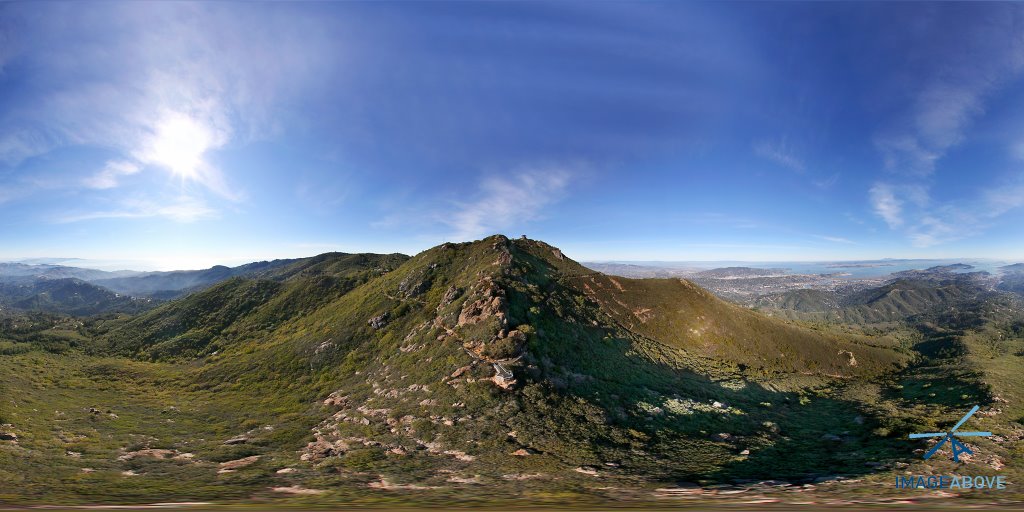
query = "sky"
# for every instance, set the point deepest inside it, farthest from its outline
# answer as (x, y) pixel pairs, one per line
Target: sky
(179, 135)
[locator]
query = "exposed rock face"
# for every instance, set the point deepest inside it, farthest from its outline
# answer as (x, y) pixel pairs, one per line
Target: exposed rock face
(232, 465)
(153, 453)
(8, 436)
(336, 400)
(322, 449)
(414, 285)
(323, 347)
(504, 255)
(458, 373)
(297, 490)
(482, 309)
(379, 321)
(852, 361)
(450, 295)
(517, 337)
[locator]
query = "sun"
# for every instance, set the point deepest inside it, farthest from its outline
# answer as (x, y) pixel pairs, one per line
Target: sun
(178, 144)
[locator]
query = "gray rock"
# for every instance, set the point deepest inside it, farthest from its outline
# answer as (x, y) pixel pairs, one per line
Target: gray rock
(450, 295)
(379, 321)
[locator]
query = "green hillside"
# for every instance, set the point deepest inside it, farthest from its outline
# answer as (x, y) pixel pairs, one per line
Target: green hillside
(478, 373)
(68, 296)
(201, 322)
(893, 302)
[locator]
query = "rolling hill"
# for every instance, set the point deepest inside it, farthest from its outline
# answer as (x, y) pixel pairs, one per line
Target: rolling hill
(66, 296)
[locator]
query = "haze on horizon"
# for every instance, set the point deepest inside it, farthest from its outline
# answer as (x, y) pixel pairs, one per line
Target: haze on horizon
(181, 135)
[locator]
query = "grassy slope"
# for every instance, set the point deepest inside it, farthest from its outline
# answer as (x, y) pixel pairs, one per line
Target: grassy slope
(67, 296)
(887, 304)
(599, 388)
(202, 322)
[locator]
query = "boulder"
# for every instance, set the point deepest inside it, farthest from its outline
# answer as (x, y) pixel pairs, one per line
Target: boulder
(481, 309)
(232, 465)
(450, 295)
(413, 285)
(152, 453)
(322, 449)
(850, 359)
(335, 399)
(378, 321)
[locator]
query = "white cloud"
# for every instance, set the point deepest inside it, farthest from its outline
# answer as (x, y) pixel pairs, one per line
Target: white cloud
(904, 153)
(163, 85)
(827, 183)
(911, 210)
(952, 93)
(780, 153)
(886, 205)
(111, 173)
(20, 143)
(1003, 199)
(504, 202)
(836, 239)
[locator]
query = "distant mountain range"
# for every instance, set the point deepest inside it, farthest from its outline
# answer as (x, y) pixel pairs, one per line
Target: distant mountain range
(33, 286)
(83, 291)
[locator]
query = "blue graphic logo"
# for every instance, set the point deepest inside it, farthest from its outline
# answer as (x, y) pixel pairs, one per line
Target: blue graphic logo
(951, 436)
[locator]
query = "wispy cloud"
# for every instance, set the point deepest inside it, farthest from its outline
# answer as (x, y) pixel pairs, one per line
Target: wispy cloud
(836, 239)
(163, 85)
(827, 183)
(911, 210)
(181, 209)
(951, 95)
(886, 205)
(781, 153)
(111, 174)
(20, 143)
(504, 202)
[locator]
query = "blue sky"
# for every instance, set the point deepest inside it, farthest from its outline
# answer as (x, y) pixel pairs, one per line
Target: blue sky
(181, 135)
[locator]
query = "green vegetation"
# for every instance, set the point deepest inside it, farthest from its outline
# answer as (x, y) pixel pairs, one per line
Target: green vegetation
(67, 296)
(368, 379)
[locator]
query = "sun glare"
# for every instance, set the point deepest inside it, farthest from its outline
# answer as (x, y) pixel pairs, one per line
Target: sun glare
(178, 144)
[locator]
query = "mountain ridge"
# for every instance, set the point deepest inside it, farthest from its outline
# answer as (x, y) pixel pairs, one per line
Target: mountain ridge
(499, 364)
